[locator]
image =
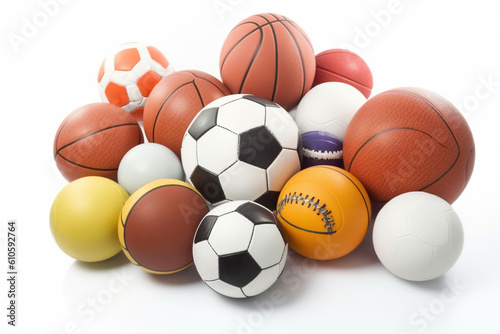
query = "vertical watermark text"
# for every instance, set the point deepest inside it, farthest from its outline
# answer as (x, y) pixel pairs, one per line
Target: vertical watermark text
(12, 273)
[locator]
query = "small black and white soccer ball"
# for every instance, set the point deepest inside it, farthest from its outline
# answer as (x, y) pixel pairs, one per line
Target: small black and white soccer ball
(241, 147)
(239, 250)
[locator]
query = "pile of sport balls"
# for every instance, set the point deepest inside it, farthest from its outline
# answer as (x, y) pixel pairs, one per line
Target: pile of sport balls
(228, 178)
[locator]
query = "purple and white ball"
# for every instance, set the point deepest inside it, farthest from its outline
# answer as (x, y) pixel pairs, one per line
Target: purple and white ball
(321, 148)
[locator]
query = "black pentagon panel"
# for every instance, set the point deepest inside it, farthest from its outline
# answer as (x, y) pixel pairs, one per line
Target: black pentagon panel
(208, 185)
(238, 269)
(256, 213)
(261, 100)
(258, 147)
(269, 199)
(205, 228)
(203, 122)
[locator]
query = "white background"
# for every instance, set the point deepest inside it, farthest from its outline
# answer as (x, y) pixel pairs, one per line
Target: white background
(451, 47)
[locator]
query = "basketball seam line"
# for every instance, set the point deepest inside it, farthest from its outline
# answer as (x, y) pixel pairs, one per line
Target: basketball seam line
(259, 27)
(284, 19)
(402, 128)
(252, 60)
(58, 153)
(300, 54)
(315, 203)
(241, 40)
(387, 130)
(199, 94)
(62, 127)
(88, 167)
(257, 24)
(467, 166)
(367, 206)
(91, 134)
(206, 80)
(161, 107)
(447, 126)
(343, 77)
(276, 57)
(436, 110)
(293, 24)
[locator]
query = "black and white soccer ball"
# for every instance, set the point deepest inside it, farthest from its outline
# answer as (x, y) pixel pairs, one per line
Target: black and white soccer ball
(239, 250)
(241, 147)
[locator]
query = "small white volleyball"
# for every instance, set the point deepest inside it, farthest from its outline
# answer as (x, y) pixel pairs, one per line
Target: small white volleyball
(148, 162)
(328, 107)
(418, 236)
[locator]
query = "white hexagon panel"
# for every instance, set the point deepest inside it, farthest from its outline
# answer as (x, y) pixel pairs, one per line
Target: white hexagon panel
(231, 234)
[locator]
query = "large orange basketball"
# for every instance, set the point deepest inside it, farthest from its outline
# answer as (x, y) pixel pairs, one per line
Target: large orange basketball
(270, 56)
(92, 140)
(174, 102)
(157, 225)
(324, 211)
(409, 139)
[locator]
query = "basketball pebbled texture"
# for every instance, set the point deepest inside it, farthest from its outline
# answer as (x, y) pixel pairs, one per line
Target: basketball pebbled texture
(92, 140)
(343, 66)
(158, 223)
(409, 139)
(174, 102)
(270, 56)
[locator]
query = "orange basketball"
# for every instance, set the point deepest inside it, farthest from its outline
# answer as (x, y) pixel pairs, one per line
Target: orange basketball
(324, 211)
(157, 225)
(174, 102)
(270, 56)
(92, 140)
(409, 139)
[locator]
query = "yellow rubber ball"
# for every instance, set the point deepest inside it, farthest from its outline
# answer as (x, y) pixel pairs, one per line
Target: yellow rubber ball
(83, 218)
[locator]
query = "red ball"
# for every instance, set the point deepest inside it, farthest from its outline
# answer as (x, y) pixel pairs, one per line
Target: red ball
(343, 66)
(174, 102)
(270, 56)
(409, 139)
(92, 140)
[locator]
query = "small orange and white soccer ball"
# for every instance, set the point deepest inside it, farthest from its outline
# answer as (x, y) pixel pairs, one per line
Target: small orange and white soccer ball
(129, 73)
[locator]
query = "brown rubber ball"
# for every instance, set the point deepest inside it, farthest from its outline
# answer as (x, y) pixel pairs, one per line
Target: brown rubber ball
(157, 225)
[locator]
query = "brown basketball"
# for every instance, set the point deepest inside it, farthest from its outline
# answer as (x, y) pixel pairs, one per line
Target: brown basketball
(270, 56)
(174, 102)
(92, 140)
(409, 139)
(158, 223)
